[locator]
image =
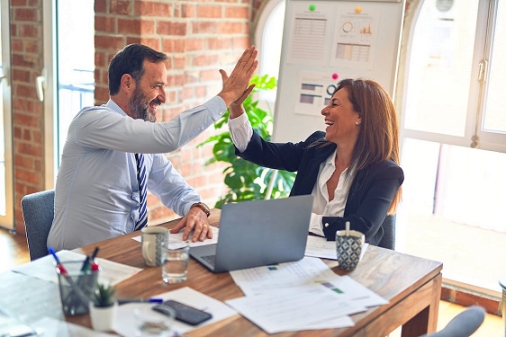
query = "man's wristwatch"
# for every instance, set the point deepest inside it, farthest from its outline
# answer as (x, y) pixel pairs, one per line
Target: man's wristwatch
(203, 207)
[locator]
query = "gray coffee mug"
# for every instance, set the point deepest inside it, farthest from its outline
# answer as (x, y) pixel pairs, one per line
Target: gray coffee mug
(349, 248)
(154, 243)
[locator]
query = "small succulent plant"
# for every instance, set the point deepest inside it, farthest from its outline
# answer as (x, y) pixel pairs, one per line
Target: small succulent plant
(104, 295)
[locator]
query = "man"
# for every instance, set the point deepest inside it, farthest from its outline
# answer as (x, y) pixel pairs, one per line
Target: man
(115, 151)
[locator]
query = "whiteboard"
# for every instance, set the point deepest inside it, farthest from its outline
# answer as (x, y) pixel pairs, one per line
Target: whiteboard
(324, 42)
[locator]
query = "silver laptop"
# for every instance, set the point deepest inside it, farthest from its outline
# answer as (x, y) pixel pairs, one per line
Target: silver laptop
(258, 233)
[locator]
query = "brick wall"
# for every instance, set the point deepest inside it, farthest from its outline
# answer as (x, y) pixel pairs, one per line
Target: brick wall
(27, 110)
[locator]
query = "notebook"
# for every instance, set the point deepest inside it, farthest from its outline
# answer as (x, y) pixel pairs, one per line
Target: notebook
(257, 233)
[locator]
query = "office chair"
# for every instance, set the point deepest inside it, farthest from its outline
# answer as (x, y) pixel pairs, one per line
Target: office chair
(462, 325)
(388, 239)
(38, 214)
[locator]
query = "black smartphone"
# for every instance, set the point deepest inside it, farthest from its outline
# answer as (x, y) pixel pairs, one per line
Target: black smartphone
(184, 313)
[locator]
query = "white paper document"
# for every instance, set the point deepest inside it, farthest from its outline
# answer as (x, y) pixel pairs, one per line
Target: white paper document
(44, 268)
(125, 323)
(300, 309)
(179, 237)
(318, 246)
(53, 327)
(300, 295)
(307, 271)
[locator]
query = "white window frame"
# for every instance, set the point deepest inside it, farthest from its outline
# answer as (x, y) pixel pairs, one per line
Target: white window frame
(486, 140)
(7, 220)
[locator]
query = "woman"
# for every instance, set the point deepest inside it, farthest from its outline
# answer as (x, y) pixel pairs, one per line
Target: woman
(352, 169)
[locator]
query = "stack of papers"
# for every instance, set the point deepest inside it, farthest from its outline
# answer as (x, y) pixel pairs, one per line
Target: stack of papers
(44, 269)
(301, 295)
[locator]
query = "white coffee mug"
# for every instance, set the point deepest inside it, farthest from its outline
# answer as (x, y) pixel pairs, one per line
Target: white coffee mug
(154, 243)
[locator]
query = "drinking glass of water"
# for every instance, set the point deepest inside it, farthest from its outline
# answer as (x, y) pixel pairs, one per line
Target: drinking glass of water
(175, 267)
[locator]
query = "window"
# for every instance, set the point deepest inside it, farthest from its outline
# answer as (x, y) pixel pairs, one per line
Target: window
(454, 140)
(268, 37)
(69, 71)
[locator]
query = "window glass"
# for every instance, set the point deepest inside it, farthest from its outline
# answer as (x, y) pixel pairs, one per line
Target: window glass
(439, 66)
(495, 117)
(76, 63)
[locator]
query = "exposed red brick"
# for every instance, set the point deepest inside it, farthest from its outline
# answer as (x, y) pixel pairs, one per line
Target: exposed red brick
(230, 27)
(26, 14)
(17, 45)
(171, 28)
(32, 46)
(188, 11)
(207, 27)
(237, 12)
(194, 44)
(32, 178)
(218, 43)
(100, 6)
(240, 42)
(25, 91)
(21, 75)
(179, 62)
(150, 42)
(205, 60)
(29, 31)
(24, 161)
(129, 26)
(105, 24)
(108, 42)
(120, 7)
(18, 3)
(29, 149)
(171, 45)
(208, 11)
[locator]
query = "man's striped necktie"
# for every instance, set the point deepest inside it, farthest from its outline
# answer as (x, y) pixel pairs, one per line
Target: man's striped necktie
(141, 177)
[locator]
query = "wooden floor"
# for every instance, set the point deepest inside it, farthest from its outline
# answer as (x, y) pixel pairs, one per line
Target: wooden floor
(14, 251)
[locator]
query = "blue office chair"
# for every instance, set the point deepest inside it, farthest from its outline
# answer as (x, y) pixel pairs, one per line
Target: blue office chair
(462, 325)
(38, 214)
(388, 239)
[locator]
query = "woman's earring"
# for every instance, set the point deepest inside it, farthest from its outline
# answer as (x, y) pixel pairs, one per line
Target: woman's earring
(356, 123)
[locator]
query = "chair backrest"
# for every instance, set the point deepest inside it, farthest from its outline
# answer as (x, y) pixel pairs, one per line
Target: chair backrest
(38, 214)
(388, 240)
(462, 325)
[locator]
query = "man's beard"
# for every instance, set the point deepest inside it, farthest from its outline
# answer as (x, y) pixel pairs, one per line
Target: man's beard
(139, 107)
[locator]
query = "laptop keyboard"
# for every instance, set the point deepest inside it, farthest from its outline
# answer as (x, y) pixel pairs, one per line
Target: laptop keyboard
(209, 259)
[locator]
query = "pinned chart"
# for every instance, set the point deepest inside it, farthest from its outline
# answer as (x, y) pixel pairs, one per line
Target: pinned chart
(325, 42)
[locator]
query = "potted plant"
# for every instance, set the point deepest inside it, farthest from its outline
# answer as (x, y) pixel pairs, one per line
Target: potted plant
(245, 180)
(103, 307)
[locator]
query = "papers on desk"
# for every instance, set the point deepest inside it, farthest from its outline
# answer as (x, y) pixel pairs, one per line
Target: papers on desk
(125, 323)
(300, 295)
(53, 327)
(43, 268)
(179, 237)
(318, 246)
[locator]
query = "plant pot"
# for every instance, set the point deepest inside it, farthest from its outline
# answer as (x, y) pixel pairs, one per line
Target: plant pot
(102, 318)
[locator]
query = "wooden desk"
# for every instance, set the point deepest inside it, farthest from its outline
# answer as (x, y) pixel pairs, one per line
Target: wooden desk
(412, 286)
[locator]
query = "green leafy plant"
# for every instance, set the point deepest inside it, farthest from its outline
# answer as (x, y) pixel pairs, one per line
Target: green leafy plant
(104, 295)
(245, 180)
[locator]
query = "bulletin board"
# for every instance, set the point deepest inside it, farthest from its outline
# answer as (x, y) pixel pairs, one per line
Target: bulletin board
(324, 42)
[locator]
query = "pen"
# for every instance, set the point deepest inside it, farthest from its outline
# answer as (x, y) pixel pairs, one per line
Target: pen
(86, 264)
(94, 265)
(139, 300)
(69, 279)
(95, 252)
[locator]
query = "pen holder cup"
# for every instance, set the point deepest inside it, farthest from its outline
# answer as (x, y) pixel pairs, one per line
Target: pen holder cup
(76, 288)
(349, 247)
